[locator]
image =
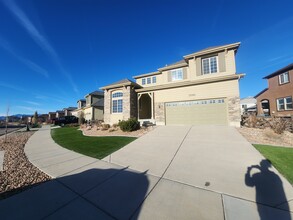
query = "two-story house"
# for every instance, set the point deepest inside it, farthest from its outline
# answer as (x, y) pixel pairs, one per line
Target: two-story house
(68, 111)
(277, 98)
(94, 106)
(80, 104)
(202, 88)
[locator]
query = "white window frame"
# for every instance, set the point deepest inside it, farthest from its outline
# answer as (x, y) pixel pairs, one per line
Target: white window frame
(154, 79)
(177, 74)
(117, 102)
(149, 80)
(284, 78)
(143, 81)
(209, 65)
(285, 103)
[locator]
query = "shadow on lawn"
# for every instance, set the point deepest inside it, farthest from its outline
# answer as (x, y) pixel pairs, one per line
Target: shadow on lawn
(269, 191)
(98, 194)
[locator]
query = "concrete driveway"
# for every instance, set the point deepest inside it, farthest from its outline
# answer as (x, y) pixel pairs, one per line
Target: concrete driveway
(173, 172)
(206, 168)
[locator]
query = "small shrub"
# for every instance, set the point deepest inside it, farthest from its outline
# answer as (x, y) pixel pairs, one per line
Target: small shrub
(115, 125)
(279, 125)
(105, 127)
(130, 125)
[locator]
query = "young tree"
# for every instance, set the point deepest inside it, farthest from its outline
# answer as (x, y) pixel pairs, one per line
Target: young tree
(35, 118)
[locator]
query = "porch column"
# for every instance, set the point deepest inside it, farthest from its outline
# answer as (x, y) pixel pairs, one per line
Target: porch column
(138, 98)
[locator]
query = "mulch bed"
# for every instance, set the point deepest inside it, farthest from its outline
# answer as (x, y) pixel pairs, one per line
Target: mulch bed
(18, 173)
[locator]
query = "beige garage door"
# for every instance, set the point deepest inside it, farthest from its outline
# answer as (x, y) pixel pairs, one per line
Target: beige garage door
(198, 112)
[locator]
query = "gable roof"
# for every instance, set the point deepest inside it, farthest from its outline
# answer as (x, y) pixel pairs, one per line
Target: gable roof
(123, 82)
(284, 69)
(81, 100)
(213, 50)
(99, 93)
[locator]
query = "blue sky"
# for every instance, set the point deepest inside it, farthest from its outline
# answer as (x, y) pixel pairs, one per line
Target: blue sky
(53, 52)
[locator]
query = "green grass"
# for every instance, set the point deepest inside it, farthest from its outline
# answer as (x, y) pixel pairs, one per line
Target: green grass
(280, 157)
(97, 147)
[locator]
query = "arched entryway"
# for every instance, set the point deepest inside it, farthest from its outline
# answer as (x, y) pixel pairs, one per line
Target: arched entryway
(265, 107)
(145, 106)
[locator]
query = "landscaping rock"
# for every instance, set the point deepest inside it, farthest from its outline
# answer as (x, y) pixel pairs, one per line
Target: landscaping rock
(18, 173)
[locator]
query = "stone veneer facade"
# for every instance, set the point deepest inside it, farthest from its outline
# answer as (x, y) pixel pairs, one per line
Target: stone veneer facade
(234, 116)
(129, 105)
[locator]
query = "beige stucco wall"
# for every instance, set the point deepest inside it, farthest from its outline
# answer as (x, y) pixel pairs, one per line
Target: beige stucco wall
(88, 113)
(204, 91)
(194, 73)
(227, 89)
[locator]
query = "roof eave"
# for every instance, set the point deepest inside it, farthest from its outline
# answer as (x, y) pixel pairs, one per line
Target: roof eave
(146, 74)
(172, 67)
(213, 50)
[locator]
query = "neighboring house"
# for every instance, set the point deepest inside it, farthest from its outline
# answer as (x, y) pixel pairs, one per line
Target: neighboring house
(68, 111)
(248, 105)
(201, 89)
(94, 107)
(43, 118)
(60, 114)
(277, 98)
(51, 116)
(79, 110)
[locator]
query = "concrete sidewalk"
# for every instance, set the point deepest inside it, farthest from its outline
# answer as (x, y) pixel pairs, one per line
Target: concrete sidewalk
(173, 172)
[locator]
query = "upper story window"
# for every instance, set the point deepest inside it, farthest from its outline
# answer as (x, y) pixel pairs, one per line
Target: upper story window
(210, 65)
(117, 102)
(177, 74)
(284, 103)
(284, 78)
(149, 81)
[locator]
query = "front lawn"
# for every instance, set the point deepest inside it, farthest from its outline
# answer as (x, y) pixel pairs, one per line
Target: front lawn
(280, 157)
(97, 147)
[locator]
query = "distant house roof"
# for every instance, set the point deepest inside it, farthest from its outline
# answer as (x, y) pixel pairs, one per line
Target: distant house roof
(70, 108)
(284, 69)
(52, 113)
(99, 103)
(99, 93)
(60, 111)
(123, 82)
(81, 100)
(248, 99)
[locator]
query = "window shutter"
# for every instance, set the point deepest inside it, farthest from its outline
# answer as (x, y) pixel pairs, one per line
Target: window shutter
(184, 73)
(198, 66)
(169, 76)
(222, 62)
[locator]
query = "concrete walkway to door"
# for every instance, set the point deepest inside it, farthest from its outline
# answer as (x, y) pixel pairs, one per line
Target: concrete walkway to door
(213, 160)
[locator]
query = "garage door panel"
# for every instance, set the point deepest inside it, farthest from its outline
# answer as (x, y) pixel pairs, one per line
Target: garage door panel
(197, 112)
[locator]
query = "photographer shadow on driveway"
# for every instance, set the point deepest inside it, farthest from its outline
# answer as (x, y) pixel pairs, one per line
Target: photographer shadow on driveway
(269, 190)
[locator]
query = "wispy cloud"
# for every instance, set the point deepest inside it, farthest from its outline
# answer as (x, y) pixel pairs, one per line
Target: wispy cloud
(38, 38)
(33, 66)
(32, 103)
(10, 86)
(46, 98)
(31, 109)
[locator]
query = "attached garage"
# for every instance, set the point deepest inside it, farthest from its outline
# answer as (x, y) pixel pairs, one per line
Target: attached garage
(197, 112)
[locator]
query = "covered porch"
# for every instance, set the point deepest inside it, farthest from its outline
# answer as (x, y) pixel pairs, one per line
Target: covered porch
(145, 108)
